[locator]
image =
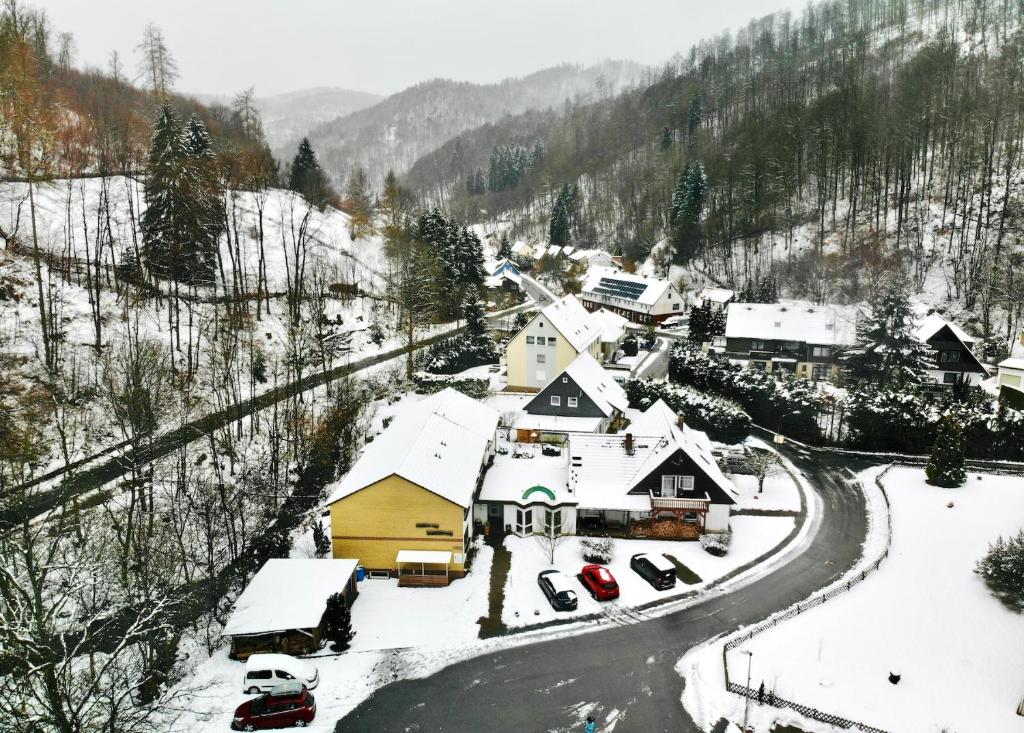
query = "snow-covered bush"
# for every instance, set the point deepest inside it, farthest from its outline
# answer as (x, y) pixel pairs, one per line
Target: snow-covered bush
(721, 419)
(596, 550)
(1003, 570)
(716, 544)
(946, 464)
(425, 383)
(630, 346)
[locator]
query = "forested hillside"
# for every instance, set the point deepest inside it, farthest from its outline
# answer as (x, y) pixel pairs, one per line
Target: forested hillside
(394, 133)
(832, 145)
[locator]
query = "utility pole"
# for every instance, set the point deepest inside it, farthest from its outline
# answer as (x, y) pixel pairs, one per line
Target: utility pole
(746, 704)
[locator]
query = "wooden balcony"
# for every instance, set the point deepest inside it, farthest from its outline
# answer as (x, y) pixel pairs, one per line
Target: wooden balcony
(676, 504)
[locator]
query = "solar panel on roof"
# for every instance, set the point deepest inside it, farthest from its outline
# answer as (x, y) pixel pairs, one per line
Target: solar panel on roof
(620, 288)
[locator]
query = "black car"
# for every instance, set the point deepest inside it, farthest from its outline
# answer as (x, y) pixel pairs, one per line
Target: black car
(655, 569)
(558, 590)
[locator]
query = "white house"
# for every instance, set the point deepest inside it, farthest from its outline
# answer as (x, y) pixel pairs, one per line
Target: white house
(717, 298)
(953, 352)
(641, 299)
(1011, 382)
(549, 343)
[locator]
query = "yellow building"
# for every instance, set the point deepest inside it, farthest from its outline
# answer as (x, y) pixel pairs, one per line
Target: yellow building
(549, 343)
(413, 487)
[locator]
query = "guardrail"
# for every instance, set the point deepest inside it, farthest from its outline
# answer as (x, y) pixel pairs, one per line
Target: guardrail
(795, 610)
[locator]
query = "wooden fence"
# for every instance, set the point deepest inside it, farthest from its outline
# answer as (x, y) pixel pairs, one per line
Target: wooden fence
(770, 698)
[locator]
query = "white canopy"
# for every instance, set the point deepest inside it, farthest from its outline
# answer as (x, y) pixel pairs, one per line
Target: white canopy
(438, 557)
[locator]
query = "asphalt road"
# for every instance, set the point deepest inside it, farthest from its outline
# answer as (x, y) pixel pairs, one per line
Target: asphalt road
(625, 668)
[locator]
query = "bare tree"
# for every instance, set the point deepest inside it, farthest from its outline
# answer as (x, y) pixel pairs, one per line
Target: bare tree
(411, 290)
(156, 64)
(549, 540)
(762, 464)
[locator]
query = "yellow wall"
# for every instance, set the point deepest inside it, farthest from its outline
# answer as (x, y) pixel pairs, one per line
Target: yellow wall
(375, 523)
(515, 360)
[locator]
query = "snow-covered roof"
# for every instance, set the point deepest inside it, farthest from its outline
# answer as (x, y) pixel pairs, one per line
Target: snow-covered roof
(439, 443)
(1013, 363)
(601, 467)
(827, 325)
(517, 479)
(554, 250)
(612, 325)
(288, 593)
(496, 265)
(656, 420)
(495, 281)
(520, 246)
(430, 557)
(572, 320)
(716, 295)
(568, 250)
(932, 323)
(609, 281)
(597, 384)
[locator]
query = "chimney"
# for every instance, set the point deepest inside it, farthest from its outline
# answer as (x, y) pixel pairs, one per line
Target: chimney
(681, 421)
(629, 444)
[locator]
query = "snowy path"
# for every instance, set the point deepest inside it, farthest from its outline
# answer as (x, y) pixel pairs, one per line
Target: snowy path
(630, 669)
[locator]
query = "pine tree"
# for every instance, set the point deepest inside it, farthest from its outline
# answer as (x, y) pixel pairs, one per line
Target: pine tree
(946, 466)
(768, 290)
(693, 122)
(559, 229)
(480, 342)
(338, 622)
(394, 205)
(887, 351)
(504, 247)
(307, 178)
(168, 221)
(687, 205)
(359, 204)
(206, 195)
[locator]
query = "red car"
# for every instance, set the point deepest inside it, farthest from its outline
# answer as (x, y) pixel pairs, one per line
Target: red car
(600, 582)
(286, 705)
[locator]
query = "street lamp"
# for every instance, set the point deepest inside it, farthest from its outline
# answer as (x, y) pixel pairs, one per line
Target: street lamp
(746, 705)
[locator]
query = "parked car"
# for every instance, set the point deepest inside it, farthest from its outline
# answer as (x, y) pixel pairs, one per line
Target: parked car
(656, 569)
(556, 587)
(551, 450)
(266, 671)
(600, 582)
(284, 706)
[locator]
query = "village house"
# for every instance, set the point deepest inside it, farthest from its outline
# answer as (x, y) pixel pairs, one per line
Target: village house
(642, 300)
(1011, 382)
(549, 343)
(804, 340)
(952, 352)
(591, 258)
(404, 507)
(582, 399)
(503, 275)
(614, 329)
(282, 608)
(658, 479)
(717, 299)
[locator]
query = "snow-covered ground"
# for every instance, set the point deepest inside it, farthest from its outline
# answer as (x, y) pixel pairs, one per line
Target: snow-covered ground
(925, 615)
(526, 604)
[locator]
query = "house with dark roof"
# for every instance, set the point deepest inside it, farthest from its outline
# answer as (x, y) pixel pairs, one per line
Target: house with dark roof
(952, 352)
(644, 300)
(582, 399)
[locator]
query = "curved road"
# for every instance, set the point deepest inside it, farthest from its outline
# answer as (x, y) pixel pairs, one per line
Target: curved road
(624, 668)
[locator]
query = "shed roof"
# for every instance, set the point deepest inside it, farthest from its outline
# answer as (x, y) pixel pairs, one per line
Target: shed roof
(288, 593)
(430, 557)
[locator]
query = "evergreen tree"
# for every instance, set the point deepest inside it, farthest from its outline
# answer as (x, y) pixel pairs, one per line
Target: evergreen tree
(887, 351)
(559, 230)
(1002, 568)
(459, 254)
(480, 342)
(307, 178)
(359, 204)
(768, 290)
(338, 622)
(693, 120)
(321, 542)
(207, 198)
(946, 465)
(666, 139)
(504, 247)
(687, 205)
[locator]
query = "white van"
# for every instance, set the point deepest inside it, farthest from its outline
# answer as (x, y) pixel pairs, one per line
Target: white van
(264, 671)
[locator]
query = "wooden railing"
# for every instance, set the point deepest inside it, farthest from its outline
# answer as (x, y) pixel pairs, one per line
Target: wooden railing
(672, 502)
(421, 581)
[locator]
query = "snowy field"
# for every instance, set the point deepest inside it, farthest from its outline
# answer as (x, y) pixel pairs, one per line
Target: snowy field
(925, 615)
(526, 604)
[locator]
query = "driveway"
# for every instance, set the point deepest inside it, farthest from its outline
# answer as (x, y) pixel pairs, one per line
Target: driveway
(628, 670)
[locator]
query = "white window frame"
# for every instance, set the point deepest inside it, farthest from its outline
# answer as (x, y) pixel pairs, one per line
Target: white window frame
(821, 352)
(541, 358)
(556, 401)
(572, 402)
(530, 340)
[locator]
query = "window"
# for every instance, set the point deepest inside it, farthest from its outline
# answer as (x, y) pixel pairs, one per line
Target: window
(540, 358)
(552, 340)
(821, 352)
(565, 380)
(556, 401)
(259, 674)
(950, 378)
(524, 521)
(675, 306)
(791, 345)
(676, 485)
(949, 357)
(820, 372)
(529, 339)
(572, 401)
(553, 521)
(757, 345)
(540, 324)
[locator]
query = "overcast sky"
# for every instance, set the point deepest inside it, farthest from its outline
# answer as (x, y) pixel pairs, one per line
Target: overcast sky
(383, 46)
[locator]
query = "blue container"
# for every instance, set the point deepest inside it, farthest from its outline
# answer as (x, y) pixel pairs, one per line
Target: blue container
(360, 573)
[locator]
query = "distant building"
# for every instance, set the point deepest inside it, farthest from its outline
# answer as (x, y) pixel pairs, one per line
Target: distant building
(952, 352)
(592, 258)
(643, 300)
(717, 298)
(613, 329)
(804, 340)
(504, 275)
(1011, 382)
(411, 490)
(549, 343)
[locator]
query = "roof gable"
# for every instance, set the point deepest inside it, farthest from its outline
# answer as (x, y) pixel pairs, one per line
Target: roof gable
(828, 325)
(591, 379)
(571, 319)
